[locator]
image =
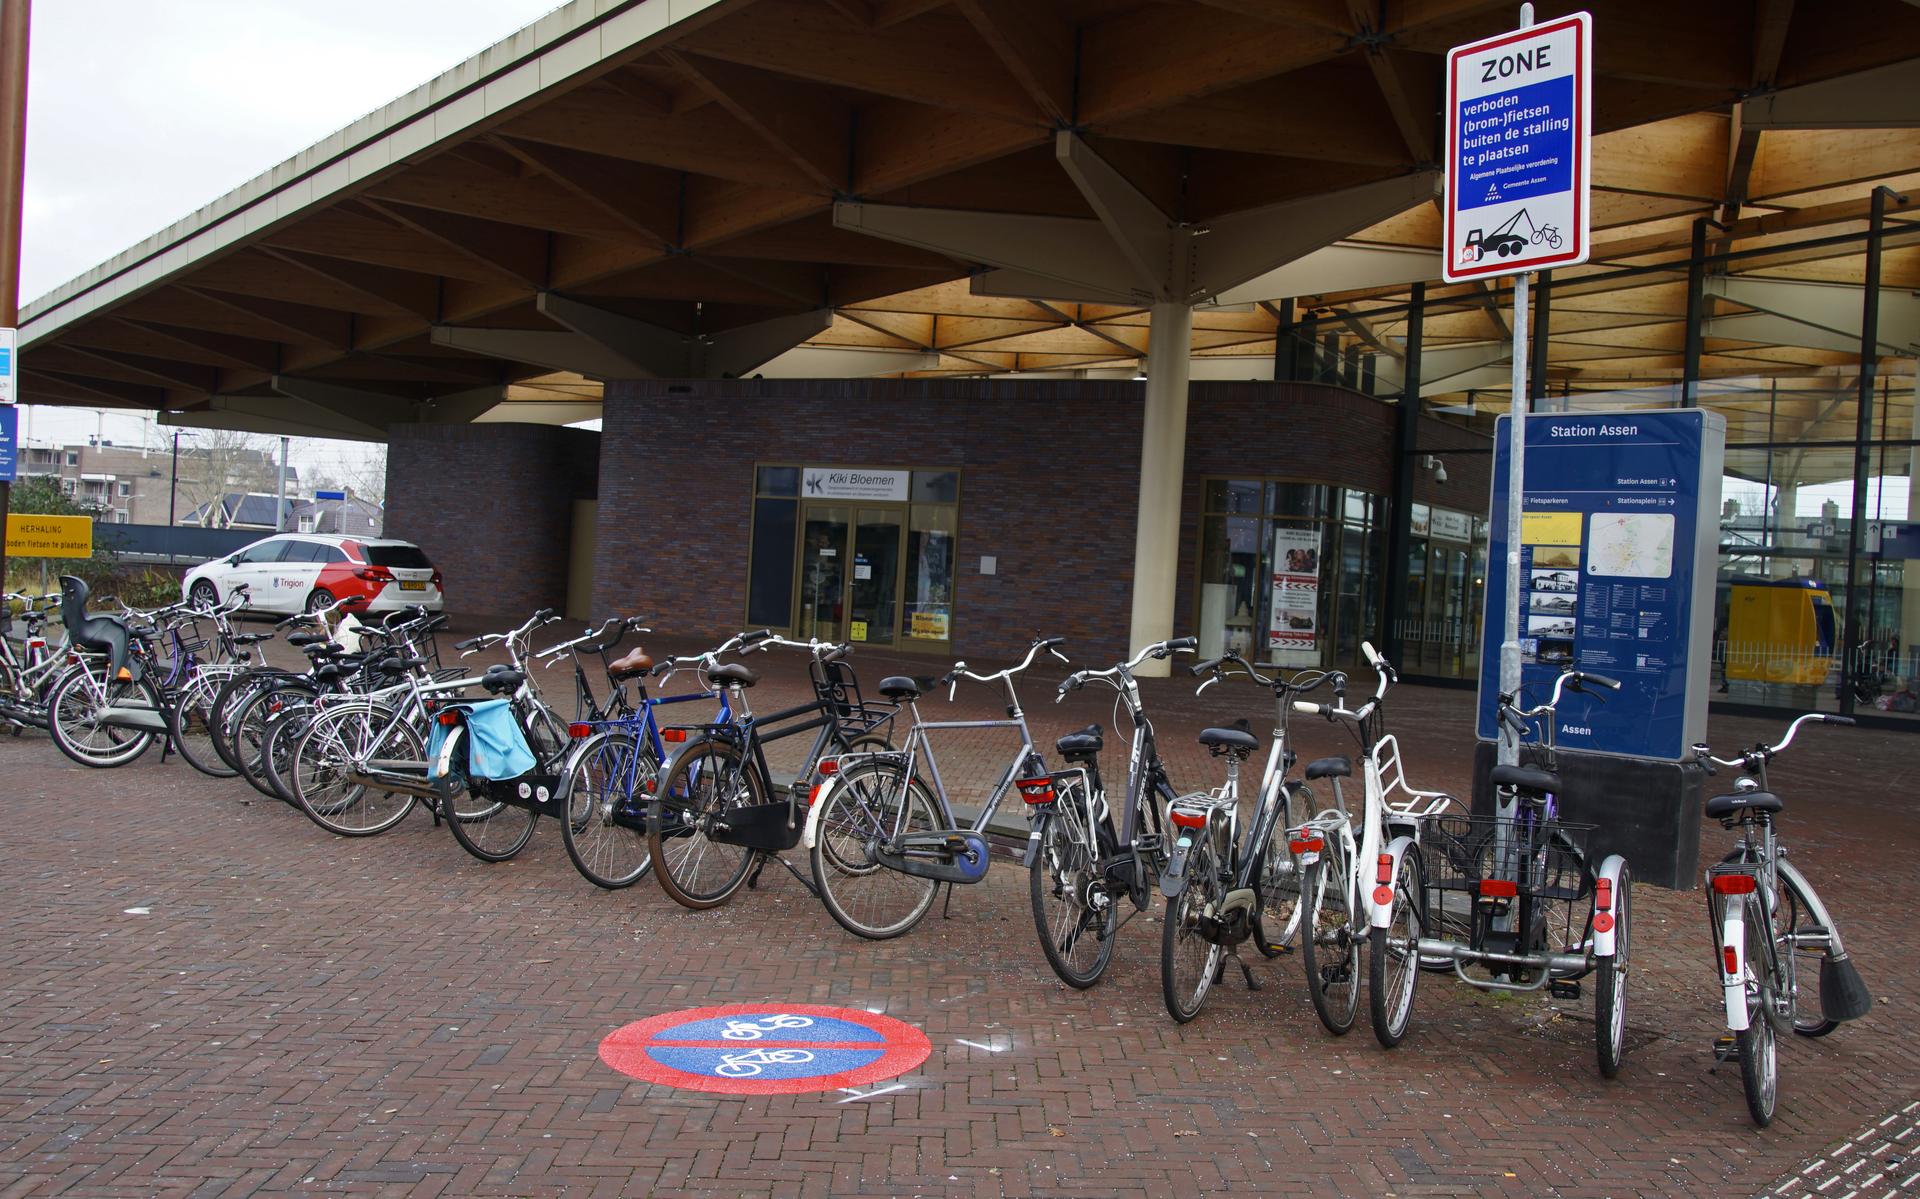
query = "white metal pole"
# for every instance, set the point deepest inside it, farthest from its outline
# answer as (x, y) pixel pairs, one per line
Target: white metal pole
(1509, 749)
(280, 507)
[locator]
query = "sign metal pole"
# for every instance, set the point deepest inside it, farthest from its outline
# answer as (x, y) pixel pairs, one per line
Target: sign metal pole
(14, 24)
(1509, 750)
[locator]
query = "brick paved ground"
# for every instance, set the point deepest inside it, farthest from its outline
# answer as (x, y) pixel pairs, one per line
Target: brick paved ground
(296, 1011)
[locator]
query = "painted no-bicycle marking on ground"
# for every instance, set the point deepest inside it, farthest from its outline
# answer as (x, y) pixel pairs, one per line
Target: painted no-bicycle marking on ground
(765, 1048)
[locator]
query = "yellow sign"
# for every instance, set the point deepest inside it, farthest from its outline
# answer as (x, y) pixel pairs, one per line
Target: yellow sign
(1550, 528)
(859, 630)
(32, 536)
(928, 626)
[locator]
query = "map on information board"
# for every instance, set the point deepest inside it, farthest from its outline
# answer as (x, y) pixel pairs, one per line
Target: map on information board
(1635, 546)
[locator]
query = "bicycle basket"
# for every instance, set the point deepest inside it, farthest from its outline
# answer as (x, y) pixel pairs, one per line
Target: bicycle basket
(1497, 856)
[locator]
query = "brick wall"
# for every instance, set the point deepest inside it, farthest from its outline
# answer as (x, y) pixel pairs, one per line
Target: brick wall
(1047, 486)
(491, 504)
(1047, 473)
(1469, 461)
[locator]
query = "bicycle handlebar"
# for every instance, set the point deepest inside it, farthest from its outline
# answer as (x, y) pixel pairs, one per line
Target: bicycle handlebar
(1763, 752)
(952, 677)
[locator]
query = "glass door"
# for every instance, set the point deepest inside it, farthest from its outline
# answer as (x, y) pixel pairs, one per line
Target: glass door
(823, 572)
(874, 582)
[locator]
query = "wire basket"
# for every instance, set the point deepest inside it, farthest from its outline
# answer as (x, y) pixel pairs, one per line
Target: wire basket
(1495, 856)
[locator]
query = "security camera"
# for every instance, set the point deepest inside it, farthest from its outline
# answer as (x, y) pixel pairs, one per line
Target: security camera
(1439, 468)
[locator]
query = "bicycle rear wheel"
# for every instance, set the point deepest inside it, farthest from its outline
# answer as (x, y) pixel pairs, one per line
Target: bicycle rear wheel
(487, 828)
(1393, 960)
(873, 803)
(1757, 1044)
(323, 786)
(73, 714)
(703, 783)
(1610, 984)
(1073, 911)
(609, 783)
(1329, 952)
(1188, 960)
(227, 702)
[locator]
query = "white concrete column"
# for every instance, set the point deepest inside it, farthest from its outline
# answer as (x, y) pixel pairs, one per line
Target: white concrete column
(1786, 528)
(1163, 456)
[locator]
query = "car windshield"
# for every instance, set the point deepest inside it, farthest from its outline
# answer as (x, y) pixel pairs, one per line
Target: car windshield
(405, 557)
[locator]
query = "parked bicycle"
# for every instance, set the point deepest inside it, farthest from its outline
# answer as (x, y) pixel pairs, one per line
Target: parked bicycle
(882, 833)
(1080, 867)
(1778, 953)
(1363, 885)
(1513, 901)
(29, 663)
(1225, 886)
(717, 816)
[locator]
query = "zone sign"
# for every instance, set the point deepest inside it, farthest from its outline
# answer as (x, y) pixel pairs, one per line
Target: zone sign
(1519, 117)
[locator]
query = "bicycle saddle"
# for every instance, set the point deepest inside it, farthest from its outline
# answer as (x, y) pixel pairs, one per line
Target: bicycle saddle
(101, 633)
(298, 640)
(734, 674)
(334, 672)
(900, 687)
(501, 680)
(632, 666)
(251, 638)
(396, 665)
(1525, 778)
(1329, 768)
(1083, 744)
(1232, 741)
(1722, 806)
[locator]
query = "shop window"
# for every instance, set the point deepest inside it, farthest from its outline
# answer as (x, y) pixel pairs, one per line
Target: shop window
(936, 486)
(777, 480)
(770, 565)
(929, 580)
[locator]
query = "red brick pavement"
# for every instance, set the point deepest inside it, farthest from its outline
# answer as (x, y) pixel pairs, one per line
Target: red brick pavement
(301, 1012)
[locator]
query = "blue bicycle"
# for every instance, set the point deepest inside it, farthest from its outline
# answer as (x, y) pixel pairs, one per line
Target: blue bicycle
(610, 776)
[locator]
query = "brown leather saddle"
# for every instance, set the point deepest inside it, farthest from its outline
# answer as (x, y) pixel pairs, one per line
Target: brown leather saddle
(633, 666)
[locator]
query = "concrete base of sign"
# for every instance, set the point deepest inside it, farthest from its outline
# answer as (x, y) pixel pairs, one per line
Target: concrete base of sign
(1648, 812)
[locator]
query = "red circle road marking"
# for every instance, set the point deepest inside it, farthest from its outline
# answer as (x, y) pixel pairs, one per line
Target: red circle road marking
(650, 1051)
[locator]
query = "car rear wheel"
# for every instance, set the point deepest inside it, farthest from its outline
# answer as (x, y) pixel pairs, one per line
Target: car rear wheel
(319, 598)
(204, 594)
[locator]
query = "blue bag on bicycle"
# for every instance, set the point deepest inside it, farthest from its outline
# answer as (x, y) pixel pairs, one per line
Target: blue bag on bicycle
(496, 748)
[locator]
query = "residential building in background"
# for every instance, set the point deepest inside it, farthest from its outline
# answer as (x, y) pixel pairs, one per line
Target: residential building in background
(133, 484)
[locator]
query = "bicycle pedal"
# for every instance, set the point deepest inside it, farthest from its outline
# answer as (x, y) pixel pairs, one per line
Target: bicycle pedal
(1564, 989)
(1725, 1048)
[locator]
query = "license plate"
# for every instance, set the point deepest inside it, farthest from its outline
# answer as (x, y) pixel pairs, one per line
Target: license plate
(413, 586)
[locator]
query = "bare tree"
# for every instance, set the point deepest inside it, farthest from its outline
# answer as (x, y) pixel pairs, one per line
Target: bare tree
(214, 462)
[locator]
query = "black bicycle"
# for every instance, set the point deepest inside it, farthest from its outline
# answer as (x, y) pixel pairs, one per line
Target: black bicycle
(717, 816)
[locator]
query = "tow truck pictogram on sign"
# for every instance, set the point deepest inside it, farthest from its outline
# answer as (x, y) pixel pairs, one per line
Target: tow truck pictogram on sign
(765, 1049)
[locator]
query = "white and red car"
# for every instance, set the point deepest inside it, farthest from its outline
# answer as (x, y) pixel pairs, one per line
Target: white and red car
(294, 572)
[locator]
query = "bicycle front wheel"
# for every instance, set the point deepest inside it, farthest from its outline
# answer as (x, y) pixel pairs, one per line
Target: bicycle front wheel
(1803, 947)
(873, 804)
(1073, 910)
(1188, 959)
(1280, 875)
(1329, 947)
(1610, 984)
(76, 708)
(1393, 965)
(608, 785)
(704, 782)
(190, 724)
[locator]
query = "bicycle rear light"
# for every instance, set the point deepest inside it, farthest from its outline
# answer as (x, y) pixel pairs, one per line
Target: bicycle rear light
(1731, 957)
(1735, 884)
(448, 718)
(1038, 790)
(1307, 845)
(829, 766)
(1385, 872)
(674, 735)
(579, 730)
(1189, 819)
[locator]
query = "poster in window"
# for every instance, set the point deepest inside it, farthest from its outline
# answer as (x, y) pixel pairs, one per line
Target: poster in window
(1295, 627)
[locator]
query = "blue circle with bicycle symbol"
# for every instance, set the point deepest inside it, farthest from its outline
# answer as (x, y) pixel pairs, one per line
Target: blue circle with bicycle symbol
(764, 1049)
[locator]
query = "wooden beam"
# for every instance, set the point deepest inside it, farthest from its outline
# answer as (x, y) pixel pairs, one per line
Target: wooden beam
(810, 126)
(645, 200)
(524, 198)
(1327, 16)
(403, 291)
(1159, 55)
(1035, 42)
(94, 390)
(934, 58)
(511, 252)
(223, 349)
(706, 141)
(1351, 121)
(1409, 96)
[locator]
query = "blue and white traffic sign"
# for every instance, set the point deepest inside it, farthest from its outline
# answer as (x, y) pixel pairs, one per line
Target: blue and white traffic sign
(1519, 116)
(765, 1049)
(8, 340)
(9, 442)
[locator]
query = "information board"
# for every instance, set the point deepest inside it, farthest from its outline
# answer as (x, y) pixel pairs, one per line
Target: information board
(1519, 115)
(9, 442)
(1618, 562)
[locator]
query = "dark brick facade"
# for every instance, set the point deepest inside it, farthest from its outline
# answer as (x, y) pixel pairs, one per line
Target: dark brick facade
(492, 505)
(1046, 486)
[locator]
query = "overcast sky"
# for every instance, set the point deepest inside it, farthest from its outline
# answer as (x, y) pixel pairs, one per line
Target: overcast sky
(141, 111)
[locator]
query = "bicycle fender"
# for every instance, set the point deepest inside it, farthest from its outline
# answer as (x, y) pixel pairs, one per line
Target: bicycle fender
(1603, 938)
(1733, 974)
(817, 806)
(1380, 915)
(1174, 879)
(442, 768)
